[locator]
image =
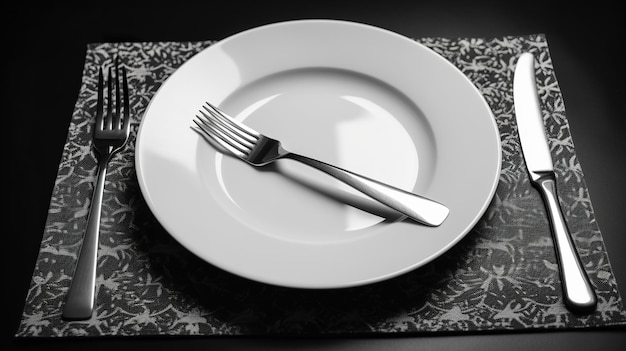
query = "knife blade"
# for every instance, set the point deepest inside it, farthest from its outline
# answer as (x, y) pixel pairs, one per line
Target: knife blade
(578, 293)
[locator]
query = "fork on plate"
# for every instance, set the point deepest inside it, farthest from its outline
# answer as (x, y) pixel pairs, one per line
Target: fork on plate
(110, 133)
(259, 150)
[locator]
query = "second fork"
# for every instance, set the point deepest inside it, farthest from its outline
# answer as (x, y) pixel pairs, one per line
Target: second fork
(259, 150)
(109, 136)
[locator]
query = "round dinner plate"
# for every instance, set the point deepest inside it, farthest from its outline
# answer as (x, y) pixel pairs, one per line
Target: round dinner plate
(357, 96)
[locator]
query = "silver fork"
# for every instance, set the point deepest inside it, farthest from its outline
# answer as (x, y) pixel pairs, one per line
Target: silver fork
(110, 134)
(259, 150)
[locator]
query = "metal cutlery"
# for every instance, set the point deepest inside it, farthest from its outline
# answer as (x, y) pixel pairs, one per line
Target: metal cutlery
(110, 134)
(578, 293)
(259, 150)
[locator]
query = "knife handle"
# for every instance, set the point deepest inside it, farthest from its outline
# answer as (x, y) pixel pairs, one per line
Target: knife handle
(578, 292)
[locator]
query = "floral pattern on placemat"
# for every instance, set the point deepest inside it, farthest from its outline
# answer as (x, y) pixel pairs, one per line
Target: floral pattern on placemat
(502, 276)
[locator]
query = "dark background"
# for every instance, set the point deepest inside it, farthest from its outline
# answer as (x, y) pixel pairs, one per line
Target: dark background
(43, 54)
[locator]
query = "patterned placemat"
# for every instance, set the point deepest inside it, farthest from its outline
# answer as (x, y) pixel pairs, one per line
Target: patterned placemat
(502, 276)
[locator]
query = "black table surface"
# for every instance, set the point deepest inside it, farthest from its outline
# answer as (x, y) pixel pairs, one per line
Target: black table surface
(44, 48)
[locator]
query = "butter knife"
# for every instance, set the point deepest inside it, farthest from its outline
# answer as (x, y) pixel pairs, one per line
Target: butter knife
(579, 295)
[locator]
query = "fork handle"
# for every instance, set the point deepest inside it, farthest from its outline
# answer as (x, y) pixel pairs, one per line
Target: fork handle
(80, 300)
(417, 207)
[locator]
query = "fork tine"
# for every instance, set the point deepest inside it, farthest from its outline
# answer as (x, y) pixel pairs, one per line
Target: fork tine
(225, 135)
(206, 131)
(100, 101)
(126, 122)
(115, 123)
(108, 120)
(232, 124)
(227, 131)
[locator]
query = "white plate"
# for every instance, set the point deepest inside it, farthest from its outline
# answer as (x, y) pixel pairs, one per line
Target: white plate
(358, 96)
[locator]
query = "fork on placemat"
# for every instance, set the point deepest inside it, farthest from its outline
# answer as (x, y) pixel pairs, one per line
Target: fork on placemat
(110, 133)
(259, 150)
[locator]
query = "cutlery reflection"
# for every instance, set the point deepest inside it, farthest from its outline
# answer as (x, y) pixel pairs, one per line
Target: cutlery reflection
(578, 292)
(110, 134)
(259, 150)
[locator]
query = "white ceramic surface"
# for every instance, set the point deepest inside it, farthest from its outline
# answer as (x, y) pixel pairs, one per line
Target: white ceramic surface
(361, 97)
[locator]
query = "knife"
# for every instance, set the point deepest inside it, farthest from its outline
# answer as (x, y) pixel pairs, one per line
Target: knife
(579, 295)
